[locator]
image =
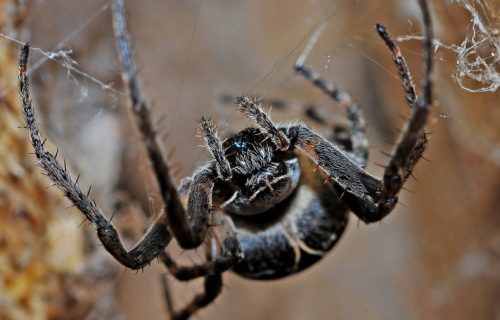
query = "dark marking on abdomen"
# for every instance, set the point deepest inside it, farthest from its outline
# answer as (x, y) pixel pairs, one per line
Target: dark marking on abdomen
(268, 255)
(310, 228)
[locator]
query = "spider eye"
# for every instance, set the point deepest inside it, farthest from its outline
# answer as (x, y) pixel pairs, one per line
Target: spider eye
(240, 144)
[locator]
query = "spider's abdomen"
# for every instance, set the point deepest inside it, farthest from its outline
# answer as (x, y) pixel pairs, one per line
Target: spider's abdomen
(306, 226)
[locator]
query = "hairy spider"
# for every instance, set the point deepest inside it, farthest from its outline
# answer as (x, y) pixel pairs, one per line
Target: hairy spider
(283, 215)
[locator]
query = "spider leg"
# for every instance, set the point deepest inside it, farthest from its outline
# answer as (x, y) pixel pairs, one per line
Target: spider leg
(214, 145)
(189, 228)
(340, 133)
(368, 197)
(155, 239)
(412, 140)
(231, 255)
(357, 189)
(252, 108)
(198, 191)
(401, 65)
(310, 111)
(212, 271)
(353, 139)
(353, 112)
(212, 286)
(349, 179)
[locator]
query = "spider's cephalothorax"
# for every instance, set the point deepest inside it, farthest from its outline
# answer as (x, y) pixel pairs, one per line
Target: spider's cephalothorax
(261, 174)
(284, 191)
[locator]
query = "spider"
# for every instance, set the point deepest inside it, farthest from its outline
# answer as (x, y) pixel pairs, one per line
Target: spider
(284, 191)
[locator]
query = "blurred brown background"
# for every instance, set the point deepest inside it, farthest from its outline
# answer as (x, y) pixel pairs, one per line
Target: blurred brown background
(437, 256)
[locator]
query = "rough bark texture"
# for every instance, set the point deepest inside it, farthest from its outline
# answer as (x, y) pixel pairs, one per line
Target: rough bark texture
(43, 252)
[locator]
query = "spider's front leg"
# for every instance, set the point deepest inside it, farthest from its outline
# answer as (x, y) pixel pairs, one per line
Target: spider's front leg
(355, 187)
(412, 141)
(188, 226)
(153, 242)
(351, 138)
(174, 209)
(368, 197)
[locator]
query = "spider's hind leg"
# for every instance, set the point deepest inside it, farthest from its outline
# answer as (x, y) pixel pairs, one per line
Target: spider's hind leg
(212, 288)
(211, 271)
(216, 263)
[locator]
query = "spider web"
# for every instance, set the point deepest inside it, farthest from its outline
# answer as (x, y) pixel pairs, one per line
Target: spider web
(478, 55)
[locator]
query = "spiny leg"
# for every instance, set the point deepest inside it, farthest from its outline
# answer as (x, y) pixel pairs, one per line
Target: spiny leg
(409, 147)
(412, 141)
(153, 242)
(340, 134)
(401, 65)
(212, 287)
(310, 111)
(349, 179)
(180, 224)
(368, 197)
(252, 108)
(354, 115)
(356, 188)
(410, 95)
(199, 204)
(214, 145)
(211, 270)
(379, 197)
(231, 254)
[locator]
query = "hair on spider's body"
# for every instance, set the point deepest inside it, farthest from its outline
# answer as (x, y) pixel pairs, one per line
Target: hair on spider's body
(262, 174)
(284, 191)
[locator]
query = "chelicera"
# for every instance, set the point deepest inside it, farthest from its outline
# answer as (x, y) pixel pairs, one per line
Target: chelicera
(283, 191)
